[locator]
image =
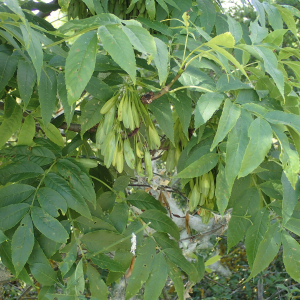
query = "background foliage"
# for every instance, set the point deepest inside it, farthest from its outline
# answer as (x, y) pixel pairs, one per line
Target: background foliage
(125, 104)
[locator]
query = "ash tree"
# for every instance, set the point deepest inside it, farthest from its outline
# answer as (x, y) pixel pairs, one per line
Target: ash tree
(174, 94)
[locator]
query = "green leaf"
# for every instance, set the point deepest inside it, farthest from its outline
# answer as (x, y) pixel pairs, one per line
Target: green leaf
(8, 66)
(206, 106)
(290, 198)
(161, 60)
(19, 171)
(161, 110)
(274, 16)
(98, 288)
(34, 48)
(78, 179)
(160, 222)
(90, 114)
(56, 150)
(225, 39)
(22, 243)
(267, 250)
(53, 134)
(143, 200)
(175, 275)
(47, 94)
(156, 25)
(236, 146)
(150, 7)
(176, 257)
(208, 14)
(43, 273)
(226, 83)
(118, 45)
(119, 216)
(288, 156)
(291, 256)
(51, 201)
(227, 54)
(121, 183)
(80, 65)
(76, 281)
(293, 224)
(260, 11)
(63, 96)
(48, 226)
(95, 21)
(141, 268)
(104, 262)
(15, 193)
(27, 131)
(141, 39)
(99, 89)
(201, 166)
(10, 125)
(38, 155)
(272, 189)
(229, 116)
(72, 196)
(15, 7)
(244, 208)
(70, 258)
(26, 80)
(183, 106)
(37, 255)
(288, 19)
(157, 278)
(271, 65)
(235, 29)
(260, 134)
(164, 241)
(200, 266)
(10, 215)
(101, 240)
(3, 237)
(222, 191)
(258, 33)
(256, 233)
(280, 117)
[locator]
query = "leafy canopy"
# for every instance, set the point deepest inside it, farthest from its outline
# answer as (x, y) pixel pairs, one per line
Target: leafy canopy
(89, 105)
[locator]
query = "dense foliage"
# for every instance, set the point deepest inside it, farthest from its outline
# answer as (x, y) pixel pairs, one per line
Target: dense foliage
(129, 90)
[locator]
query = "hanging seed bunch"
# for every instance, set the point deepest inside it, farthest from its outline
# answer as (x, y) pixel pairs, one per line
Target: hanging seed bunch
(171, 156)
(77, 8)
(123, 9)
(127, 9)
(202, 194)
(124, 114)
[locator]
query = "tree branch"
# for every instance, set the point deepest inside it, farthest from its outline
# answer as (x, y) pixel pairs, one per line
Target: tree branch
(149, 97)
(44, 8)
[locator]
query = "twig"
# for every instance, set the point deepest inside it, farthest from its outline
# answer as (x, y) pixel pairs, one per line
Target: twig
(280, 291)
(165, 295)
(200, 235)
(149, 97)
(223, 286)
(25, 292)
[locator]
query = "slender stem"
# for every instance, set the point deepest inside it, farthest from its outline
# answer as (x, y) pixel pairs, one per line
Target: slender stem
(105, 250)
(70, 37)
(186, 40)
(41, 181)
(75, 235)
(191, 86)
(204, 233)
(104, 184)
